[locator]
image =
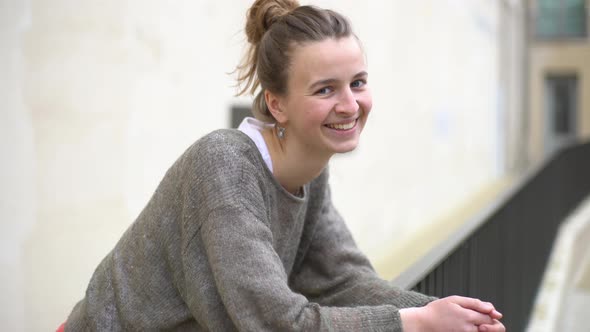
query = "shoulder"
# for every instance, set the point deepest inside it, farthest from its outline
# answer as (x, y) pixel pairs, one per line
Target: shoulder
(222, 141)
(225, 135)
(222, 149)
(222, 168)
(222, 160)
(225, 158)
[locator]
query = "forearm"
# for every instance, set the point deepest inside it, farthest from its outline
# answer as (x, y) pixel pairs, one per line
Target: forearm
(369, 290)
(323, 318)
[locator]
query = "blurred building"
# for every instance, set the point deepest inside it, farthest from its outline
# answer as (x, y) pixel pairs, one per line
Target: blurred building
(559, 112)
(559, 74)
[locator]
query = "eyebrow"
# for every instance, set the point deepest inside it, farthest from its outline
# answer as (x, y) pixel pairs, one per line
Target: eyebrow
(329, 81)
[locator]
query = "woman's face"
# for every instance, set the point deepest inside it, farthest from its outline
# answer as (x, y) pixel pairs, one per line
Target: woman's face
(328, 99)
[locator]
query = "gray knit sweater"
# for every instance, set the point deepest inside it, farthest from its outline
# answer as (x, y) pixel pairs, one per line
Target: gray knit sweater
(221, 246)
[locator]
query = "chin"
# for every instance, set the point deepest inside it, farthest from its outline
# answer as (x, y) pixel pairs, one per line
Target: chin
(346, 148)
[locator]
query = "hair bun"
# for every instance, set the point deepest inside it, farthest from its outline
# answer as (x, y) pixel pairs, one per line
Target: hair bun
(263, 14)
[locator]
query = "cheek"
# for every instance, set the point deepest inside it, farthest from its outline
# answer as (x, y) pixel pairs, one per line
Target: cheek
(316, 111)
(365, 101)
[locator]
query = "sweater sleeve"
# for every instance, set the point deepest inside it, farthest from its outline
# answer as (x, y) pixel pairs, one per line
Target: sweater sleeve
(335, 272)
(253, 285)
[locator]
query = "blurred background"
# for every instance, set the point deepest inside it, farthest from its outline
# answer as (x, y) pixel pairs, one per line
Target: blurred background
(472, 99)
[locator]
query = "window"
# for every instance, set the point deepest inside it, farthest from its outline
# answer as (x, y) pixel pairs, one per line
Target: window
(561, 96)
(563, 90)
(238, 113)
(561, 19)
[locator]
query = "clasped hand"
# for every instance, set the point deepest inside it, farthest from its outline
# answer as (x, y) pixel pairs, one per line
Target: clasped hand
(453, 314)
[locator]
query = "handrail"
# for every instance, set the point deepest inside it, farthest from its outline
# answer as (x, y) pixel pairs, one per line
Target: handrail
(418, 270)
(500, 254)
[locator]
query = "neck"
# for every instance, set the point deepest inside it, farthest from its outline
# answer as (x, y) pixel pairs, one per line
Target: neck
(293, 165)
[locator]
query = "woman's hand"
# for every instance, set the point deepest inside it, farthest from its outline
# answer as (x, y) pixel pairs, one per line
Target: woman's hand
(453, 313)
(484, 308)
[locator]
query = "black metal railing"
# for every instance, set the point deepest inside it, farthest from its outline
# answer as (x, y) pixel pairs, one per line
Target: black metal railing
(504, 259)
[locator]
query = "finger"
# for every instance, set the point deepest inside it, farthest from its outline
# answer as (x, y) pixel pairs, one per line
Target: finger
(473, 304)
(497, 326)
(477, 318)
(496, 314)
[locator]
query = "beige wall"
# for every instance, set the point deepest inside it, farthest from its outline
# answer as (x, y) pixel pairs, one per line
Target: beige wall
(99, 98)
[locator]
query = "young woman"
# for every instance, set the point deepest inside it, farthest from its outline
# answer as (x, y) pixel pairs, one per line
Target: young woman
(241, 233)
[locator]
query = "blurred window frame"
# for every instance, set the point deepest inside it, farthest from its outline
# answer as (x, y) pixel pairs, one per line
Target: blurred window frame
(559, 19)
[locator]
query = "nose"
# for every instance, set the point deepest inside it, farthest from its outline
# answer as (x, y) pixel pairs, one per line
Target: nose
(347, 104)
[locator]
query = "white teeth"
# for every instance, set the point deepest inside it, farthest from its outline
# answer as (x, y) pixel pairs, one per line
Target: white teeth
(344, 126)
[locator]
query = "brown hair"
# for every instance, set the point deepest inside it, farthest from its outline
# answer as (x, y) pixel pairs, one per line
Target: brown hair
(273, 27)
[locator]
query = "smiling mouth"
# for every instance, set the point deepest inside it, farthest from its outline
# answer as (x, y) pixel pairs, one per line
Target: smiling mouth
(342, 126)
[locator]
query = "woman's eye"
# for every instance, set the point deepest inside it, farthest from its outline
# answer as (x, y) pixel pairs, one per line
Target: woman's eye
(324, 91)
(358, 83)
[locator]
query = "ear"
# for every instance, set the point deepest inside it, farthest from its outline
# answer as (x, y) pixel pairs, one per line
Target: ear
(274, 104)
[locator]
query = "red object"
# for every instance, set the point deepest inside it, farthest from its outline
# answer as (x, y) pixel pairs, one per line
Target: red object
(61, 327)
